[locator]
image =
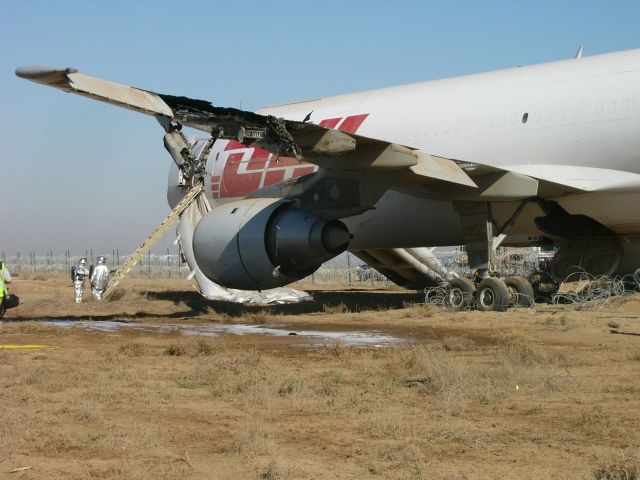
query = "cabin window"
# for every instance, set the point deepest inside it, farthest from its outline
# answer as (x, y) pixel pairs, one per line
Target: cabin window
(525, 117)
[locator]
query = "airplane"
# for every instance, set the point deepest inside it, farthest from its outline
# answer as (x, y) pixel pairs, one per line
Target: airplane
(537, 155)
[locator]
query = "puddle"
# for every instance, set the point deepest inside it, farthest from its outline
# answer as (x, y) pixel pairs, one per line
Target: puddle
(311, 337)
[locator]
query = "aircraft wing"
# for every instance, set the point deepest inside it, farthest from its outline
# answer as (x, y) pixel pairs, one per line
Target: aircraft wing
(328, 148)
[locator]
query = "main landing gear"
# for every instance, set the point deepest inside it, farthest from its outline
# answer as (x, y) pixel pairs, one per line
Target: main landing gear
(489, 291)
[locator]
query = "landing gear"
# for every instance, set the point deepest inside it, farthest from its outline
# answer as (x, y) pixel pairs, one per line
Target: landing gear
(492, 294)
(520, 291)
(460, 294)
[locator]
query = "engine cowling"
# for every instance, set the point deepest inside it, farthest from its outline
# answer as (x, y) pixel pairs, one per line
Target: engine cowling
(256, 244)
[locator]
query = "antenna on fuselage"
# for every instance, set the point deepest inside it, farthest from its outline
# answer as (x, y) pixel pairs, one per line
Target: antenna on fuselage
(579, 52)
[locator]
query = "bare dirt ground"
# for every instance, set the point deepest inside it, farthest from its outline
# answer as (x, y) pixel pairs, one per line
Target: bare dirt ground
(533, 394)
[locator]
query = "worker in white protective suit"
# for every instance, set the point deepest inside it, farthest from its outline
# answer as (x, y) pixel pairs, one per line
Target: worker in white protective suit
(99, 278)
(78, 274)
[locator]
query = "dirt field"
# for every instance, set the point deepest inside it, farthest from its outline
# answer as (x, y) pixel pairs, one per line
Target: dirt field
(532, 394)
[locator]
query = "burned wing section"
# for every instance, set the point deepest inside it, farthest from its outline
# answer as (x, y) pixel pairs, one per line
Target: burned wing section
(247, 127)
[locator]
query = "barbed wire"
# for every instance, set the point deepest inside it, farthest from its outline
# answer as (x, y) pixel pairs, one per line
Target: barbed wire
(593, 291)
(589, 291)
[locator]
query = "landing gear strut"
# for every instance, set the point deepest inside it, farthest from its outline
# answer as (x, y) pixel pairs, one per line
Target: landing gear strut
(491, 292)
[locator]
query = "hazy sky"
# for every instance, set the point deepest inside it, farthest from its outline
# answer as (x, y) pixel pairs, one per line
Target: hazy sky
(78, 174)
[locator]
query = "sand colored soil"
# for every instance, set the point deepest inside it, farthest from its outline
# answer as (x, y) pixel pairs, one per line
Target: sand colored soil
(544, 393)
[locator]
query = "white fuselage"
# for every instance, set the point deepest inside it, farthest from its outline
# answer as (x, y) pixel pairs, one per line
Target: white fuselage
(582, 112)
(573, 122)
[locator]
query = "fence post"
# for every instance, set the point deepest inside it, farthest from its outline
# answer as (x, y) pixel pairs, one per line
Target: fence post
(168, 263)
(349, 266)
(149, 275)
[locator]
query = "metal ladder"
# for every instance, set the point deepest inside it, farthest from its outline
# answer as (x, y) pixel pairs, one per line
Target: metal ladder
(153, 237)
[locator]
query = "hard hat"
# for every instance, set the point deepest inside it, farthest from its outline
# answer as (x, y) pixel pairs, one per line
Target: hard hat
(83, 261)
(101, 259)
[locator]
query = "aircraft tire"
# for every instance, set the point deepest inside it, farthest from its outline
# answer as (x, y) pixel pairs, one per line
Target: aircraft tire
(492, 294)
(460, 293)
(521, 290)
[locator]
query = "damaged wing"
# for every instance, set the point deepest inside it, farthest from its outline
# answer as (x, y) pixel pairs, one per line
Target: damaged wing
(327, 148)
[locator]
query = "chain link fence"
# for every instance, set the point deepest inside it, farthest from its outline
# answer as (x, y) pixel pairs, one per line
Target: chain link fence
(345, 269)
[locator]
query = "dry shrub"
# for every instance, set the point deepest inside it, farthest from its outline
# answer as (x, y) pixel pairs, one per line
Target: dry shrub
(176, 350)
(387, 424)
(338, 349)
(201, 376)
(331, 386)
(336, 308)
(595, 424)
(520, 350)
(290, 386)
(397, 452)
(433, 372)
(618, 469)
(272, 472)
(132, 350)
(82, 412)
(205, 348)
(254, 439)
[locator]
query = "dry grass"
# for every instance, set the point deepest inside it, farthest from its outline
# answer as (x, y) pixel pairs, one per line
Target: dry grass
(392, 407)
(451, 405)
(336, 308)
(419, 310)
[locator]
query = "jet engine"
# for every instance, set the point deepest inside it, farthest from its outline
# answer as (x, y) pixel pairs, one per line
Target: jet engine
(261, 243)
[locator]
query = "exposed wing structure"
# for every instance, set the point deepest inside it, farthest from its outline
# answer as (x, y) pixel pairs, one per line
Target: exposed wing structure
(319, 145)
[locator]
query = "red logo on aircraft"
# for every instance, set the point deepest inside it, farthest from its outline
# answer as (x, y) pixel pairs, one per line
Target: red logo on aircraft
(247, 169)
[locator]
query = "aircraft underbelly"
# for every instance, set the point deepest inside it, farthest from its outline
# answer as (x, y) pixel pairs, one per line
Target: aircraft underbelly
(403, 221)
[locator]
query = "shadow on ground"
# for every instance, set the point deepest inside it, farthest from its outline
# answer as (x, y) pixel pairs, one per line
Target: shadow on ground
(353, 301)
(341, 301)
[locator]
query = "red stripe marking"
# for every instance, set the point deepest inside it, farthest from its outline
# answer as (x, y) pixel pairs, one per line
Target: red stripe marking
(273, 176)
(298, 172)
(352, 124)
(330, 122)
(258, 159)
(238, 185)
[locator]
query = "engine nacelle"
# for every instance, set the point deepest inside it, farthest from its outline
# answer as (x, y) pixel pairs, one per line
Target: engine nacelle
(256, 244)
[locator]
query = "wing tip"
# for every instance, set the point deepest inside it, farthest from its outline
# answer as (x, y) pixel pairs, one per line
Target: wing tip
(43, 74)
